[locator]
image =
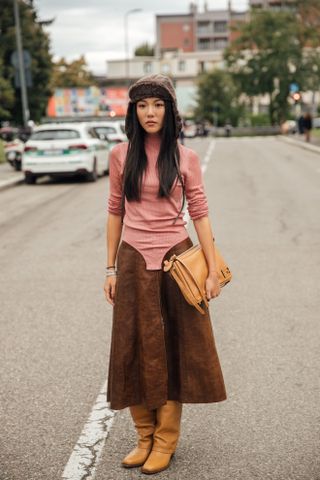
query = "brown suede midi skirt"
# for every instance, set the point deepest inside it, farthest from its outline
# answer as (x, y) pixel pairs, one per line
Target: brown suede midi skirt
(162, 348)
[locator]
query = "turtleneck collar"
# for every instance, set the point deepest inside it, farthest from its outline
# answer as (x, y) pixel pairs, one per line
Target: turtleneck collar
(152, 140)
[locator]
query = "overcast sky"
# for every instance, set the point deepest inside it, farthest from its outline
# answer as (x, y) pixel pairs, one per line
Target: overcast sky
(96, 28)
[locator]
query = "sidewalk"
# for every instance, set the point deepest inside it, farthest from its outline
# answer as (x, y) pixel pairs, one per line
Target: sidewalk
(298, 140)
(9, 177)
(314, 140)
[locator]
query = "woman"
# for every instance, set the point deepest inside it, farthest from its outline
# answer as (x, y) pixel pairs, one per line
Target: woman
(163, 352)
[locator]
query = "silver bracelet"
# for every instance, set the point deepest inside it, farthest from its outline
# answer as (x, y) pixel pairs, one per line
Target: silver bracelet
(111, 273)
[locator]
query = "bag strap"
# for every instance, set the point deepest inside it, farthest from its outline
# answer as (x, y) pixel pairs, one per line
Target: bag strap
(175, 260)
(188, 296)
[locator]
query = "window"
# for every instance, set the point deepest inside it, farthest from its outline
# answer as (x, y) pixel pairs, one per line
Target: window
(204, 44)
(204, 27)
(202, 67)
(147, 67)
(182, 66)
(220, 27)
(105, 130)
(61, 134)
(165, 68)
(220, 43)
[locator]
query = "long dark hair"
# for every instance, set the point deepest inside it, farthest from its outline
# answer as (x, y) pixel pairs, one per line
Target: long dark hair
(168, 162)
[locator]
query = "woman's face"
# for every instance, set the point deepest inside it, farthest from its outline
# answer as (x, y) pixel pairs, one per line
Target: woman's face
(150, 112)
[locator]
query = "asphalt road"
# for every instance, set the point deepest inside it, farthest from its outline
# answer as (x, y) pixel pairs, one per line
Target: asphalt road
(55, 324)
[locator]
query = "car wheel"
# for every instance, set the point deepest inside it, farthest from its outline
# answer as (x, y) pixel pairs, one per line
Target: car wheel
(30, 179)
(92, 176)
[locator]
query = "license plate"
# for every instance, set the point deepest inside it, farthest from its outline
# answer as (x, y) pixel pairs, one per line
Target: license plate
(51, 152)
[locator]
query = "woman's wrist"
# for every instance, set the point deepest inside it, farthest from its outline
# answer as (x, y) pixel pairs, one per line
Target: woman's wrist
(213, 273)
(111, 270)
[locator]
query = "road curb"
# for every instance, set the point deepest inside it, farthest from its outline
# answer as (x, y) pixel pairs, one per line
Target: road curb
(11, 182)
(305, 146)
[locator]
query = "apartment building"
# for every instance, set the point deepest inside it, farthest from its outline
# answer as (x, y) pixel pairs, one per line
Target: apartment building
(207, 30)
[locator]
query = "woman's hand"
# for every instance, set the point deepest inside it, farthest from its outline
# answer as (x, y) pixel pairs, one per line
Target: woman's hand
(110, 288)
(213, 288)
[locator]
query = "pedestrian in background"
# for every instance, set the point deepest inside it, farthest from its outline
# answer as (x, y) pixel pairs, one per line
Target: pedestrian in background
(307, 126)
(301, 124)
(163, 351)
(181, 134)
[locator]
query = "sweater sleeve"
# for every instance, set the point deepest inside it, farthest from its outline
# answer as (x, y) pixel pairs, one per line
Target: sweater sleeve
(115, 182)
(195, 194)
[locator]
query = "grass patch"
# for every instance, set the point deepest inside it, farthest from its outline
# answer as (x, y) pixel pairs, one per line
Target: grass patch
(315, 133)
(2, 157)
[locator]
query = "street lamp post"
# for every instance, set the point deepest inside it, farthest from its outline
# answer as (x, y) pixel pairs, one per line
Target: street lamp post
(126, 41)
(21, 60)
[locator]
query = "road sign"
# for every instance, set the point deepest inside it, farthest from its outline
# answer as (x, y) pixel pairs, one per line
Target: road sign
(294, 87)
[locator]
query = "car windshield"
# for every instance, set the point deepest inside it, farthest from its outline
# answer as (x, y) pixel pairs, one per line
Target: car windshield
(105, 130)
(61, 134)
(122, 128)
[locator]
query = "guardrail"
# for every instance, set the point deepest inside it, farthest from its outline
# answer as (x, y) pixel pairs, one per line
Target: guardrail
(246, 131)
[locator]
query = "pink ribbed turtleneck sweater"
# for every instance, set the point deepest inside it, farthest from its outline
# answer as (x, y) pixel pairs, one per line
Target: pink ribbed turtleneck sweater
(148, 224)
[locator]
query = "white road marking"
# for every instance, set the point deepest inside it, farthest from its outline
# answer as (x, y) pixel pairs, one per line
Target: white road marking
(87, 451)
(86, 454)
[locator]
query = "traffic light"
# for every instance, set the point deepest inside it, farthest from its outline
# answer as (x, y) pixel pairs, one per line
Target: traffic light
(296, 97)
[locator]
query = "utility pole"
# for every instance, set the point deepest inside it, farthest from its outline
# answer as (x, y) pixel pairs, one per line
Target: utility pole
(23, 88)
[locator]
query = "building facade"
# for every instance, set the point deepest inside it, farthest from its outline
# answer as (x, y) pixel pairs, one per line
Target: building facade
(186, 46)
(209, 30)
(183, 67)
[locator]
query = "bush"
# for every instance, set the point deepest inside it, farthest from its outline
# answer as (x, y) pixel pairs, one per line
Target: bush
(2, 157)
(259, 120)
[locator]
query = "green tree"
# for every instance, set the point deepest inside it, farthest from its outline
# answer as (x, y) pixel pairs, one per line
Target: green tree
(274, 50)
(218, 98)
(267, 57)
(309, 17)
(6, 95)
(36, 41)
(144, 50)
(72, 74)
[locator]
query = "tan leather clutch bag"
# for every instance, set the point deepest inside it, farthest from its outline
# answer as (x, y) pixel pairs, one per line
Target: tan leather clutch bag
(190, 271)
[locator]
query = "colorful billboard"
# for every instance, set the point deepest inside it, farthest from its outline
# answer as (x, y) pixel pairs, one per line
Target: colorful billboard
(91, 101)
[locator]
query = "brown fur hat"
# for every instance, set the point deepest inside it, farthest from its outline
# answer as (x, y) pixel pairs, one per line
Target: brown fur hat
(152, 86)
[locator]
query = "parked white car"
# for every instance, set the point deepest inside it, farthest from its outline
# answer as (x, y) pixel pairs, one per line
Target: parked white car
(65, 149)
(112, 130)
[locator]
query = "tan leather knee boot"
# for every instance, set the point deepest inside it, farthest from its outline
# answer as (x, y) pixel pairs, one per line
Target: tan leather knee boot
(144, 421)
(165, 437)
